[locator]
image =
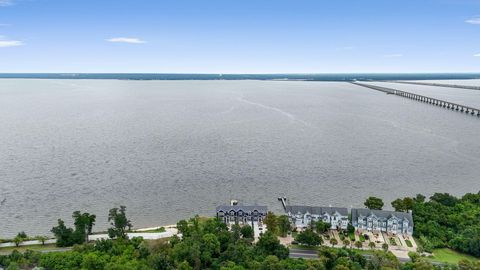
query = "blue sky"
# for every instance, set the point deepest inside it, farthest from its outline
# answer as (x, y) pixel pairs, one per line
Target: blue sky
(239, 36)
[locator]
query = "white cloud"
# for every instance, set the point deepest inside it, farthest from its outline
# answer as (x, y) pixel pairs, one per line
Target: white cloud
(393, 55)
(126, 40)
(477, 55)
(10, 43)
(4, 3)
(475, 20)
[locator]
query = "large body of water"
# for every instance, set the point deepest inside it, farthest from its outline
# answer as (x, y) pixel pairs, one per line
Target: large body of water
(172, 149)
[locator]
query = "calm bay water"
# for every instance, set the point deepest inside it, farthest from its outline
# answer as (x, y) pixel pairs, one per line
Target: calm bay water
(172, 149)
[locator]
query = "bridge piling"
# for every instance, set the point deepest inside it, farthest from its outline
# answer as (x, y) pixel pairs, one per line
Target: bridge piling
(437, 102)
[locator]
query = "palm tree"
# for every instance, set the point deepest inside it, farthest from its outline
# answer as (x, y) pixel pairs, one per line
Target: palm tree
(371, 245)
(18, 240)
(346, 242)
(42, 239)
(333, 241)
(358, 244)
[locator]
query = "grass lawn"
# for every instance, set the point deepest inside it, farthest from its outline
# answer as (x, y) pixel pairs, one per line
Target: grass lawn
(450, 256)
(8, 250)
(392, 241)
(409, 244)
(159, 230)
(362, 238)
(352, 237)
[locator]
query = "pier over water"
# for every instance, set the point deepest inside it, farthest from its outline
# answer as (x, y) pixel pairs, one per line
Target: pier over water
(421, 98)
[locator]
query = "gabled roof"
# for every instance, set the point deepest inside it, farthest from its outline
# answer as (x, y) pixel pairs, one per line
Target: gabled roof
(316, 210)
(244, 208)
(381, 214)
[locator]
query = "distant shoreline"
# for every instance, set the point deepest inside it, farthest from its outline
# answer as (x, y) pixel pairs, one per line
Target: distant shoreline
(338, 77)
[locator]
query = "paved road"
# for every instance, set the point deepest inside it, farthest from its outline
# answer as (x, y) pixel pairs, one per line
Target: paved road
(303, 253)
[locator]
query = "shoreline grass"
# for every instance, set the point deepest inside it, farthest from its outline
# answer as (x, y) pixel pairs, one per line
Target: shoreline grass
(447, 255)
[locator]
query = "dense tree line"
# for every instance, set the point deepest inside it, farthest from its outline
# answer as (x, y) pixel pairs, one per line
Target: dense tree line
(445, 221)
(205, 244)
(442, 221)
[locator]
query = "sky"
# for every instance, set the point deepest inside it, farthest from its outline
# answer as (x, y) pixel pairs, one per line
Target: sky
(239, 36)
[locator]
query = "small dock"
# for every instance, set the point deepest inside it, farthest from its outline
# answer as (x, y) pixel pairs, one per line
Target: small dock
(425, 99)
(284, 202)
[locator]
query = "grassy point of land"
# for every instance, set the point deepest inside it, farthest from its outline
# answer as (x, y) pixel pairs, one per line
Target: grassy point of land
(159, 230)
(447, 255)
(22, 249)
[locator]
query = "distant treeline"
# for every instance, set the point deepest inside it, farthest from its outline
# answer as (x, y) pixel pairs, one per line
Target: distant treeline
(304, 77)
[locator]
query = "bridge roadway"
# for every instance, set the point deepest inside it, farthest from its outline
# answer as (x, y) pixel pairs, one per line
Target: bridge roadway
(430, 100)
(471, 87)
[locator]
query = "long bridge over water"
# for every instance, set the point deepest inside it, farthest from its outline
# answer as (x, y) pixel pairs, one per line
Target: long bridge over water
(421, 98)
(470, 87)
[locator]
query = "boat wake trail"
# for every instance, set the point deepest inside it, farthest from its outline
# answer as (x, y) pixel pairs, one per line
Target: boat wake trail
(290, 116)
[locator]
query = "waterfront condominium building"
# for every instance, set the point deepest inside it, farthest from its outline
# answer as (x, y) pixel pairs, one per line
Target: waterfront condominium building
(382, 221)
(241, 214)
(302, 216)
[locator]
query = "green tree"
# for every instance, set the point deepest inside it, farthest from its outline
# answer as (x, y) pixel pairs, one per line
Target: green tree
(346, 242)
(247, 231)
(18, 240)
(333, 241)
(183, 227)
(322, 227)
(374, 203)
(419, 198)
(268, 244)
(385, 247)
(383, 260)
(120, 224)
(423, 264)
(22, 235)
(210, 248)
(350, 228)
(398, 205)
(283, 225)
(271, 222)
(358, 244)
(41, 239)
(92, 261)
(83, 225)
(13, 266)
(63, 234)
(308, 237)
(445, 199)
(371, 245)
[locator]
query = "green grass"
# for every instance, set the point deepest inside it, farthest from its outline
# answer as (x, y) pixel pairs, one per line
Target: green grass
(352, 237)
(409, 243)
(362, 238)
(8, 250)
(447, 255)
(159, 230)
(392, 241)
